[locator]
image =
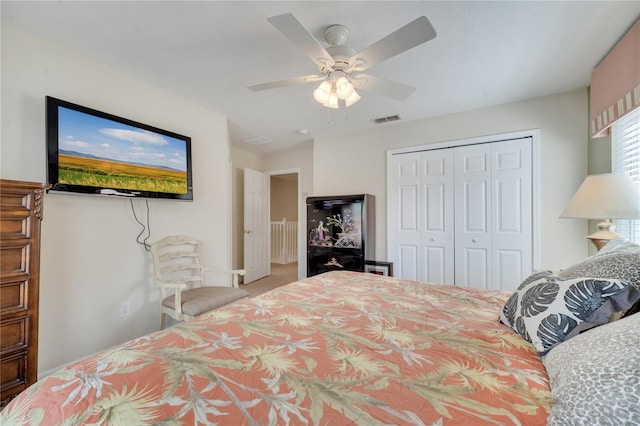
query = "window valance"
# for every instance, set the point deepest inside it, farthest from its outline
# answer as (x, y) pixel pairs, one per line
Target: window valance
(615, 83)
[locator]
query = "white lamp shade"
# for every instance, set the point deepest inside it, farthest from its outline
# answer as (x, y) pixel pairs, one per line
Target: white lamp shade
(332, 102)
(331, 91)
(321, 94)
(605, 196)
(352, 99)
(344, 89)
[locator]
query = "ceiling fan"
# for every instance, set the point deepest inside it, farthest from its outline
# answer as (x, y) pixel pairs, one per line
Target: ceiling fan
(341, 67)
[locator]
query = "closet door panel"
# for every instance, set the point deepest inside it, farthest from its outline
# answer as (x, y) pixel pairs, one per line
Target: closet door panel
(405, 177)
(437, 265)
(476, 272)
(508, 269)
(475, 208)
(438, 236)
(472, 215)
(407, 262)
(409, 237)
(508, 206)
(408, 208)
(512, 237)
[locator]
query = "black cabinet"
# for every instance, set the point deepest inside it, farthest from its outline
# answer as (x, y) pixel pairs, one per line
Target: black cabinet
(340, 233)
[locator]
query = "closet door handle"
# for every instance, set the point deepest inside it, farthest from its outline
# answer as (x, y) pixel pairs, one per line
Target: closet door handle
(474, 240)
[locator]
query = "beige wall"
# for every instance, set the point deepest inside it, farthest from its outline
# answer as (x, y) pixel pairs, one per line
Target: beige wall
(240, 159)
(359, 161)
(90, 259)
(299, 157)
(284, 199)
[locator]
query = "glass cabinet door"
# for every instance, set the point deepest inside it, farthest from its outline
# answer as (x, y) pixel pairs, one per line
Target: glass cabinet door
(335, 234)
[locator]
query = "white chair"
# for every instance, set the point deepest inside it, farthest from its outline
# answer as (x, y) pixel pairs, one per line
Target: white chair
(178, 266)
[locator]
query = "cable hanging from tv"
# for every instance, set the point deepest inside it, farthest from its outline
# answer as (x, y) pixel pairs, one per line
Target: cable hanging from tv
(146, 228)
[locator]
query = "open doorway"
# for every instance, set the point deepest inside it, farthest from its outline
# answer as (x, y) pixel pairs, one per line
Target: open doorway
(285, 220)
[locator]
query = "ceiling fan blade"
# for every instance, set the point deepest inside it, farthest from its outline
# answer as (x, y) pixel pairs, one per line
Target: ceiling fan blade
(288, 25)
(411, 35)
(288, 82)
(391, 89)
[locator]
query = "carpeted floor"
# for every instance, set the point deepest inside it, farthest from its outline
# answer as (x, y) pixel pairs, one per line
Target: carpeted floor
(280, 275)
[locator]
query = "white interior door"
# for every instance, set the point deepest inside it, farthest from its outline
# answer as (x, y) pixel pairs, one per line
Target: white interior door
(512, 239)
(438, 234)
(422, 213)
(256, 225)
(404, 202)
(494, 219)
(473, 215)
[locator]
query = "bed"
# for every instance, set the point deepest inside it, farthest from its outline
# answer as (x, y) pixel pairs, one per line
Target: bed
(334, 349)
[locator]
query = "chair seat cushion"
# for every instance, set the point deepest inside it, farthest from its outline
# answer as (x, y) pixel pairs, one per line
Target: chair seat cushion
(199, 300)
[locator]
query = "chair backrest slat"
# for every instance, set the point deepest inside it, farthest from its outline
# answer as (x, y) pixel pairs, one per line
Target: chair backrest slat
(179, 255)
(177, 259)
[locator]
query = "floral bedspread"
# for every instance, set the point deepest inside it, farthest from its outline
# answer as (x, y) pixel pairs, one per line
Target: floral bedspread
(334, 349)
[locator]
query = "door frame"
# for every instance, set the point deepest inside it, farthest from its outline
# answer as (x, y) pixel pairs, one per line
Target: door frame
(302, 220)
(534, 134)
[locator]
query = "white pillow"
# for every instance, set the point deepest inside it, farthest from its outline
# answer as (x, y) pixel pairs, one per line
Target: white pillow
(619, 245)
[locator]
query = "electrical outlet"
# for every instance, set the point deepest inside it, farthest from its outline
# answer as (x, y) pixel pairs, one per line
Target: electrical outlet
(125, 307)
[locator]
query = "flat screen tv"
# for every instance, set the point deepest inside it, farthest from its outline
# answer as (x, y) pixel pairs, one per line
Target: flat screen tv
(92, 152)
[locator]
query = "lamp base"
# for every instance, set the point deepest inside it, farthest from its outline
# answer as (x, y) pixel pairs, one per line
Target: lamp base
(604, 235)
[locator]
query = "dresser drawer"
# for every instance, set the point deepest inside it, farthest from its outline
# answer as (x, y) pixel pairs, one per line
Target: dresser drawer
(13, 375)
(15, 224)
(14, 258)
(14, 299)
(15, 199)
(14, 335)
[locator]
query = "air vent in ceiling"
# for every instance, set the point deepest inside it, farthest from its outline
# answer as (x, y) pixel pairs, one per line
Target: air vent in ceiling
(386, 119)
(256, 140)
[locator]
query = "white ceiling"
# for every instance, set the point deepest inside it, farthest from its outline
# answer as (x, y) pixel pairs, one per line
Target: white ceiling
(485, 53)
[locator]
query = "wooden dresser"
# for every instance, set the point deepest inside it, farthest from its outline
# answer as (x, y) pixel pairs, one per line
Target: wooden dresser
(20, 217)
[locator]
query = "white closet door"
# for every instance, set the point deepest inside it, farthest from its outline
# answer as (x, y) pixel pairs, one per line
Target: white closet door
(438, 237)
(512, 239)
(494, 231)
(463, 215)
(473, 225)
(422, 215)
(404, 201)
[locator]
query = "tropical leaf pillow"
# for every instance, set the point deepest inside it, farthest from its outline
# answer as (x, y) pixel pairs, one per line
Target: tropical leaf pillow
(548, 309)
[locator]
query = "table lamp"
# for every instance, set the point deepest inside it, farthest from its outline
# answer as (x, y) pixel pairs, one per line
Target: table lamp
(605, 196)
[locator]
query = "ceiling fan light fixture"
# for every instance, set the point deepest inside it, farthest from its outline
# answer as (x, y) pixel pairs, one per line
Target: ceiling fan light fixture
(321, 94)
(331, 91)
(340, 65)
(344, 88)
(352, 99)
(332, 102)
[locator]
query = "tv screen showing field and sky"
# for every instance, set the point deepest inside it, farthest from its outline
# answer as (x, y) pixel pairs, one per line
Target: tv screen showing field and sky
(98, 152)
